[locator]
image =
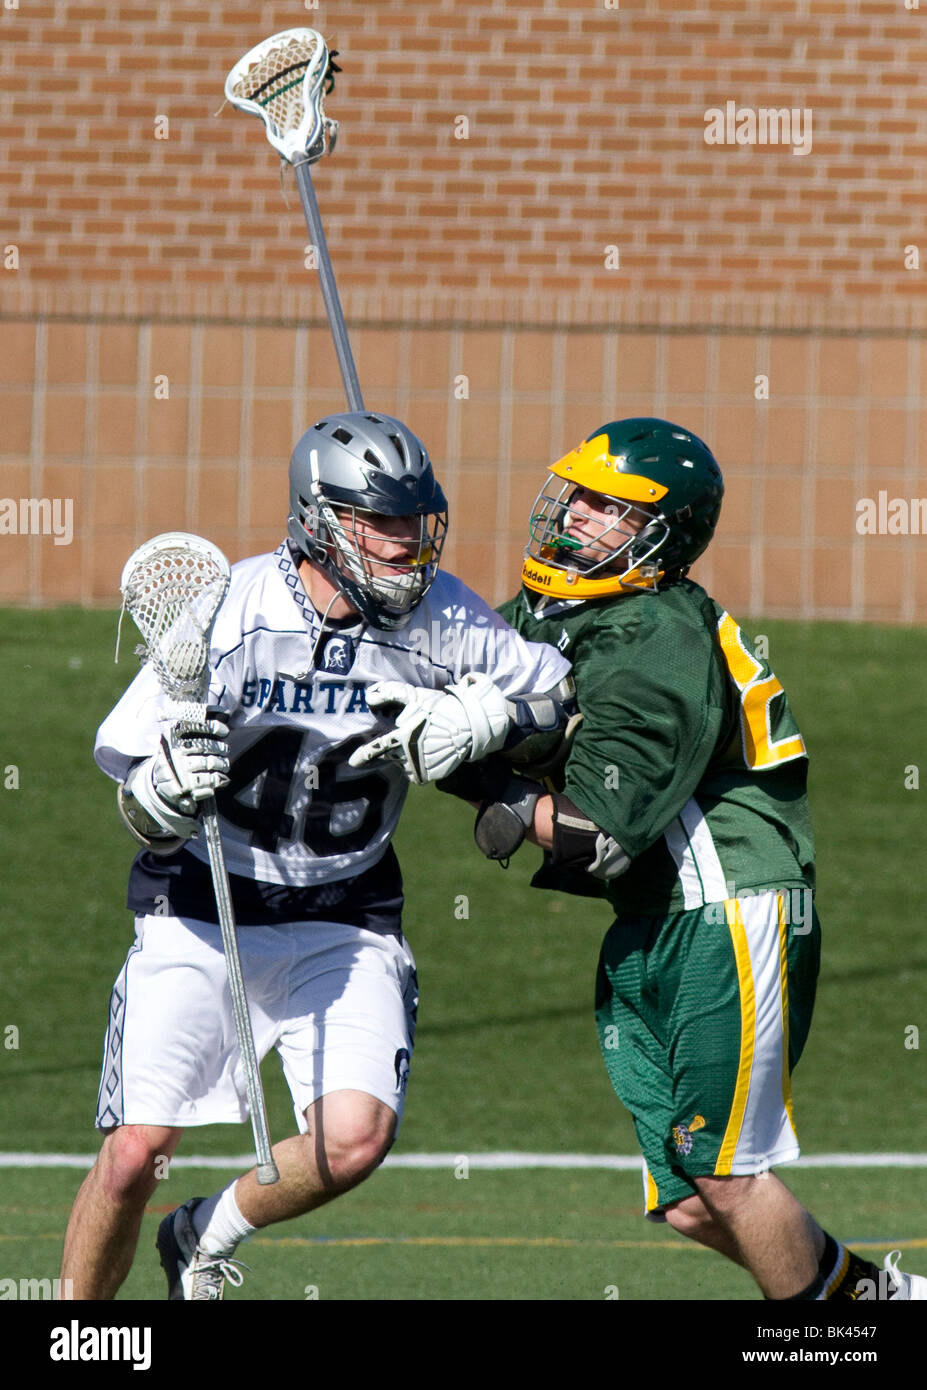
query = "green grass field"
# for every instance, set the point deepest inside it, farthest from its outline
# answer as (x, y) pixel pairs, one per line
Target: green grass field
(506, 1055)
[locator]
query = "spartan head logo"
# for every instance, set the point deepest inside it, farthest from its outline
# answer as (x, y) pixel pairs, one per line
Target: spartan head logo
(339, 655)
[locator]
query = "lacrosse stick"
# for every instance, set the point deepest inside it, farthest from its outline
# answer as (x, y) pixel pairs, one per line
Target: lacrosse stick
(172, 588)
(284, 81)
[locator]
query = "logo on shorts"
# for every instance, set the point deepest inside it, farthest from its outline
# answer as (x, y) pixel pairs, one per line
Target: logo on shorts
(401, 1063)
(682, 1135)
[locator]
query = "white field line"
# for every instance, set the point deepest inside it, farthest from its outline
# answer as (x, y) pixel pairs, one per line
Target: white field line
(493, 1161)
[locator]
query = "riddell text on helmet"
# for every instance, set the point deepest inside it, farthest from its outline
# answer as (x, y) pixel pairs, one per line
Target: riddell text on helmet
(538, 576)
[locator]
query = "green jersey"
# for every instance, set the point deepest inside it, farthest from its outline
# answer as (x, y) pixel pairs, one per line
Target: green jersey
(688, 754)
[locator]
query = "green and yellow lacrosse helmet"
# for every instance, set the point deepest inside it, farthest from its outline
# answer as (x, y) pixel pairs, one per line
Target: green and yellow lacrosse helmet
(636, 502)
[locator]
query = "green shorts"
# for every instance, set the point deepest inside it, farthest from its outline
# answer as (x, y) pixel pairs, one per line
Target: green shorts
(701, 1018)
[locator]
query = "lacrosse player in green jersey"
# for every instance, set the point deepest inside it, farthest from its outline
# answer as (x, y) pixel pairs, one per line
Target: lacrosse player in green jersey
(682, 801)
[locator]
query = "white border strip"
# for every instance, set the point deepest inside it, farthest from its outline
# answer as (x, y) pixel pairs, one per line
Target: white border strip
(619, 1162)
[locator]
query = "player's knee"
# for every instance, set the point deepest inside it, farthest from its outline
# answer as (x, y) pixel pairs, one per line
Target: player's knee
(354, 1148)
(131, 1162)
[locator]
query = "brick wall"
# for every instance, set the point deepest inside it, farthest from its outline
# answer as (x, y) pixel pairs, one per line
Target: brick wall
(581, 254)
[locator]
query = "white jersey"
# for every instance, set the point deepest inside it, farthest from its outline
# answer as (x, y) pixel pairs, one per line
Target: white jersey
(295, 813)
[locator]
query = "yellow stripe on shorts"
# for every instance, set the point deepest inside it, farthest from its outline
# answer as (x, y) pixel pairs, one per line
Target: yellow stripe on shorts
(747, 1036)
(784, 981)
(652, 1199)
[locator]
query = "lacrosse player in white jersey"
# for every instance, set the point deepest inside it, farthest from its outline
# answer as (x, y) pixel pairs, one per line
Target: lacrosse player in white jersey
(314, 649)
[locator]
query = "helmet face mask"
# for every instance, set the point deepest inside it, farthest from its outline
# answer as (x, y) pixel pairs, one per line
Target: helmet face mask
(393, 585)
(602, 541)
(352, 476)
(635, 504)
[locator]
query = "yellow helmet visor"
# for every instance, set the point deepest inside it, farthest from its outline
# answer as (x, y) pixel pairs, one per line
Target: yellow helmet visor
(590, 465)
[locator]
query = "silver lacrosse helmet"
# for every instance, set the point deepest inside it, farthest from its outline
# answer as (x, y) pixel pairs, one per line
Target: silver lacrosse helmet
(355, 467)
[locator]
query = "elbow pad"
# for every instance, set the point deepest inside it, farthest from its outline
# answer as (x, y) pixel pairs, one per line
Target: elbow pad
(506, 816)
(542, 727)
(578, 843)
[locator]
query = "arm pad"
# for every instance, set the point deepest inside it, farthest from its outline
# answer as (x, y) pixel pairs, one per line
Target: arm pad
(506, 815)
(578, 843)
(542, 727)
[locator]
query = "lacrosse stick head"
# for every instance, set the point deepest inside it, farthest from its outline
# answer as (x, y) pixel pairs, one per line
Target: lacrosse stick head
(172, 587)
(284, 80)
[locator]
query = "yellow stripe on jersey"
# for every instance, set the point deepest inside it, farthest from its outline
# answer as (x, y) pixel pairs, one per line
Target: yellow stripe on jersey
(756, 695)
(747, 1037)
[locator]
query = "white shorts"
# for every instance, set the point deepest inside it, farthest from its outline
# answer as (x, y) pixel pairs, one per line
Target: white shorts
(337, 1002)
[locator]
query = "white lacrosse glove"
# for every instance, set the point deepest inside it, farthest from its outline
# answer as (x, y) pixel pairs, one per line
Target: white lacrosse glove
(191, 764)
(437, 730)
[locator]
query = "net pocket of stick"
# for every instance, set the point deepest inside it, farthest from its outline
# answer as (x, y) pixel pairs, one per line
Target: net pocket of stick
(172, 587)
(284, 80)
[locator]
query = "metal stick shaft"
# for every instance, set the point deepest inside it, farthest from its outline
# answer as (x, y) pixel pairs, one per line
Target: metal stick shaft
(266, 1167)
(329, 288)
